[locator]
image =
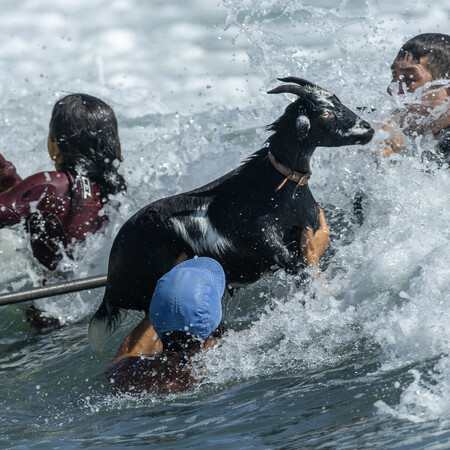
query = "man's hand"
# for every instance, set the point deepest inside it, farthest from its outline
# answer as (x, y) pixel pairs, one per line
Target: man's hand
(394, 142)
(312, 245)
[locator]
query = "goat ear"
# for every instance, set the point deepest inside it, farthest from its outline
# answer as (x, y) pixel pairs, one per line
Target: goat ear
(303, 126)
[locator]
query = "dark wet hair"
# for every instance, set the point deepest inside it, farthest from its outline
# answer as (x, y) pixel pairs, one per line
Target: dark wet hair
(436, 48)
(185, 343)
(85, 130)
(181, 342)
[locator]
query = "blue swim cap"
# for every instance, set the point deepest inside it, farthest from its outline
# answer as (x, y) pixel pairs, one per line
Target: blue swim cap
(188, 298)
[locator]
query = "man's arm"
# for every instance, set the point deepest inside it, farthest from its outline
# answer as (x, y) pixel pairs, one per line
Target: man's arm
(142, 340)
(312, 245)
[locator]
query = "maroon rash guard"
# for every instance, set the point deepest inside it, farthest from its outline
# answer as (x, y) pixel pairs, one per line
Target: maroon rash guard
(59, 209)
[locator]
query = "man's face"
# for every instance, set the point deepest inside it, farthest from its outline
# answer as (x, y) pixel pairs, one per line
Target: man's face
(407, 75)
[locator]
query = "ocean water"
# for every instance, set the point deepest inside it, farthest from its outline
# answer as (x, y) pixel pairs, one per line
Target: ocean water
(360, 359)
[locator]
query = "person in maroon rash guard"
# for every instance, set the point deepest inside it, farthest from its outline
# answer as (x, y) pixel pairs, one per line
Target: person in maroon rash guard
(60, 207)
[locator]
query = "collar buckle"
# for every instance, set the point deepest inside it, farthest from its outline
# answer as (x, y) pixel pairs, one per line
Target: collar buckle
(291, 175)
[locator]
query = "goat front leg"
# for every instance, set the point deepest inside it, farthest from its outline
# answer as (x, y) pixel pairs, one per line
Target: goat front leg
(312, 246)
(286, 259)
(291, 262)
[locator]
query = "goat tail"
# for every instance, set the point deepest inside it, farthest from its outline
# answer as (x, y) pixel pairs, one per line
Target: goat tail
(102, 325)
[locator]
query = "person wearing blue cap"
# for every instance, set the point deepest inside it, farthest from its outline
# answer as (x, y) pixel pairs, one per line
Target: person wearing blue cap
(184, 317)
(185, 313)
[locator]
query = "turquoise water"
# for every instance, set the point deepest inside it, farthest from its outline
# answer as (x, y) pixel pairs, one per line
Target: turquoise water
(362, 357)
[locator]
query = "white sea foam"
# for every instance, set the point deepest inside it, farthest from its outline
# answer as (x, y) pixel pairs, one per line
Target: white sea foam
(424, 400)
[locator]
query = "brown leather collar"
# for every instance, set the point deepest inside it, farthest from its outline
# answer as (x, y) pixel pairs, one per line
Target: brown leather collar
(300, 178)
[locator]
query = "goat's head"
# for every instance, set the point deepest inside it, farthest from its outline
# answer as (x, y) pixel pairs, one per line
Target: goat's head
(317, 119)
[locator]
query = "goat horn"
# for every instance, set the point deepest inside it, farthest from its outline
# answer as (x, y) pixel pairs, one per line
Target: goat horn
(290, 89)
(300, 81)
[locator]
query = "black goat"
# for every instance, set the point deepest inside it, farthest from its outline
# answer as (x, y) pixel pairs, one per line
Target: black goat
(249, 220)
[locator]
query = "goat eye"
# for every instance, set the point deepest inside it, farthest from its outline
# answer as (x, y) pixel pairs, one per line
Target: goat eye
(325, 115)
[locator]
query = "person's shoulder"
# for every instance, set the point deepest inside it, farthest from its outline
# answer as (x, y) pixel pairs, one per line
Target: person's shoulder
(137, 364)
(56, 180)
(48, 177)
(133, 374)
(156, 374)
